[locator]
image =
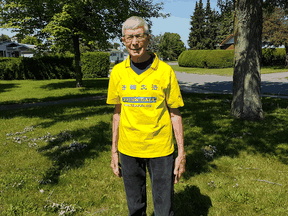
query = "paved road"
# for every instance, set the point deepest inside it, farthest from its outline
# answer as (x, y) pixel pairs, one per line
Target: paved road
(271, 84)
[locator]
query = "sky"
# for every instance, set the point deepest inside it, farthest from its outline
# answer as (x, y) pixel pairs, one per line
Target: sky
(178, 22)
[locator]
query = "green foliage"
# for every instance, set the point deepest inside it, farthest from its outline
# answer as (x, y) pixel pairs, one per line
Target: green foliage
(211, 27)
(207, 58)
(225, 58)
(197, 32)
(4, 37)
(154, 43)
(95, 64)
(61, 22)
(171, 46)
(225, 19)
(272, 57)
(30, 40)
(204, 27)
(46, 67)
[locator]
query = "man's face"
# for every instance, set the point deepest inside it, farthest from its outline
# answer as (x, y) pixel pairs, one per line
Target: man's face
(136, 41)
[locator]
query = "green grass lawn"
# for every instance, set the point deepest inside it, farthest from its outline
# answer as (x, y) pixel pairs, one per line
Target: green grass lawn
(226, 71)
(29, 91)
(59, 157)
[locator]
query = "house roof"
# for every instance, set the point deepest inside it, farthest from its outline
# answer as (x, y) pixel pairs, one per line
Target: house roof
(227, 40)
(14, 44)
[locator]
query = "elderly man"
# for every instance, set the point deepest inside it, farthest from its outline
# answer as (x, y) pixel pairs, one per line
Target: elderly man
(146, 95)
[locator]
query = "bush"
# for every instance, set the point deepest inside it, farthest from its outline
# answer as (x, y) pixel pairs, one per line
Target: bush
(225, 58)
(95, 64)
(54, 67)
(272, 57)
(40, 68)
(207, 58)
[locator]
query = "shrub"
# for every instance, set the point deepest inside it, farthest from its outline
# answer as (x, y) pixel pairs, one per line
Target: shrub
(225, 58)
(44, 67)
(271, 57)
(95, 64)
(206, 58)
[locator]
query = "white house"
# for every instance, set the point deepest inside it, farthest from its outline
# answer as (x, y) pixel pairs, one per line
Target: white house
(13, 49)
(117, 55)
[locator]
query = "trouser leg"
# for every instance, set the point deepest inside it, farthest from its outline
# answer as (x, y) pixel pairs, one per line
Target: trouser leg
(162, 181)
(134, 177)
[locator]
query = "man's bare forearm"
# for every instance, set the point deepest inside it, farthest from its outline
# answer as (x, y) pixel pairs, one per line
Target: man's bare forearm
(115, 128)
(177, 124)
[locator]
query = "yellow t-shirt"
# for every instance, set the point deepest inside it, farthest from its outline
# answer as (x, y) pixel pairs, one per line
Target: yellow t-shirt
(145, 128)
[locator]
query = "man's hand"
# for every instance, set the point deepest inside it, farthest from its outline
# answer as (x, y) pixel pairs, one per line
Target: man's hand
(179, 167)
(115, 164)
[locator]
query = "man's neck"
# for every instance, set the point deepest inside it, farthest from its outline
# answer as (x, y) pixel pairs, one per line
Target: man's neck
(141, 59)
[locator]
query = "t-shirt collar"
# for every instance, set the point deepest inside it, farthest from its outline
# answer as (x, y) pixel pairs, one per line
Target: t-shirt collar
(154, 65)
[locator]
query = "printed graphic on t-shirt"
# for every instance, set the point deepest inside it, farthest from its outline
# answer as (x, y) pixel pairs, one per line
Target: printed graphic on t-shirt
(139, 101)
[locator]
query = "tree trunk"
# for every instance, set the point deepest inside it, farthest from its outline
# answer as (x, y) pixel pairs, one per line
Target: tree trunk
(246, 103)
(78, 72)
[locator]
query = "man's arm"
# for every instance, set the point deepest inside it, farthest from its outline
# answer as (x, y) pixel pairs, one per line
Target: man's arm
(180, 161)
(115, 137)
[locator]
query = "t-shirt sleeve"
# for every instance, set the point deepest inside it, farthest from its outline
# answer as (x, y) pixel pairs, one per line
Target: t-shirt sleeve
(173, 95)
(113, 92)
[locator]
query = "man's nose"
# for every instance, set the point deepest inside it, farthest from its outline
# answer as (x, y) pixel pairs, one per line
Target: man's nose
(134, 40)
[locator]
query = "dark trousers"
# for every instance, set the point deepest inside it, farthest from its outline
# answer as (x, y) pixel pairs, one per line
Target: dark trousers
(162, 180)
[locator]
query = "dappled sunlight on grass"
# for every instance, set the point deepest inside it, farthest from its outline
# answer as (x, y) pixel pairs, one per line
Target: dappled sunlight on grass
(234, 167)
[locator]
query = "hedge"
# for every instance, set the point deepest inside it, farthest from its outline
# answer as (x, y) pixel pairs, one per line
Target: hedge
(95, 64)
(225, 58)
(53, 67)
(271, 57)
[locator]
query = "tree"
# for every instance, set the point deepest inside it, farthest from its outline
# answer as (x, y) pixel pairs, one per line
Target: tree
(171, 46)
(197, 32)
(203, 31)
(210, 27)
(79, 21)
(246, 103)
(29, 40)
(4, 37)
(275, 29)
(225, 19)
(154, 43)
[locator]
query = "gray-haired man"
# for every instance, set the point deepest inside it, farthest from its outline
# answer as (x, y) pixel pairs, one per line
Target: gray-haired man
(146, 95)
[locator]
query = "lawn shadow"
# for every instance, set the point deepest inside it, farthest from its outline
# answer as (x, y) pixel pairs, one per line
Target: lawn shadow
(8, 87)
(61, 148)
(101, 83)
(73, 156)
(209, 117)
(190, 201)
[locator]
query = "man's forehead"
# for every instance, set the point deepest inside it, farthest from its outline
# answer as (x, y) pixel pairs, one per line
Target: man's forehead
(139, 29)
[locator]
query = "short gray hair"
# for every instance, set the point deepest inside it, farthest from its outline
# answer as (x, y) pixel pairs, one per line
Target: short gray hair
(135, 22)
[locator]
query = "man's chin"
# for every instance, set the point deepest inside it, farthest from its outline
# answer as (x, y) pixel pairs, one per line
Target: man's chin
(136, 54)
